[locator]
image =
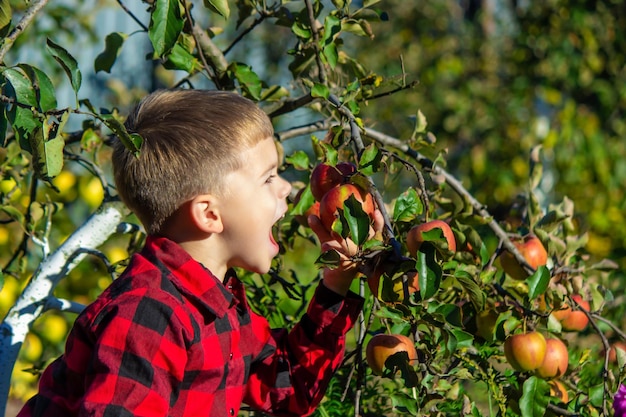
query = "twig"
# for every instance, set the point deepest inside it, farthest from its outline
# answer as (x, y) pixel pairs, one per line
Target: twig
(607, 349)
(28, 17)
(458, 188)
(132, 15)
(263, 14)
(316, 41)
(291, 105)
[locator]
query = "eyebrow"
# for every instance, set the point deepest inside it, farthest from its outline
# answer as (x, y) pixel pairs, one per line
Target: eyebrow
(270, 169)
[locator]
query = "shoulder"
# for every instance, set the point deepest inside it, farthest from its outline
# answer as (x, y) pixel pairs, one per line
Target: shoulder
(147, 302)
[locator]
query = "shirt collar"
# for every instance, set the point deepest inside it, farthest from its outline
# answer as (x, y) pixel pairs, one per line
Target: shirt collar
(190, 277)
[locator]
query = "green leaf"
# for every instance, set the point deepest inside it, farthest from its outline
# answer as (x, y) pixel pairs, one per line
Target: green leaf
(166, 24)
(112, 48)
(369, 163)
(357, 220)
(320, 90)
(458, 339)
(429, 270)
(248, 79)
(13, 213)
(404, 403)
(329, 258)
(306, 200)
(332, 28)
(331, 54)
(407, 206)
(67, 62)
(420, 124)
(180, 58)
(369, 3)
(538, 282)
(131, 141)
(476, 295)
(299, 160)
(218, 6)
(534, 398)
(301, 31)
(54, 156)
(274, 93)
(596, 395)
(48, 148)
(30, 87)
(6, 14)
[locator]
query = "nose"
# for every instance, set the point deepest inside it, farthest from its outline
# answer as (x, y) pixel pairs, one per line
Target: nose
(285, 188)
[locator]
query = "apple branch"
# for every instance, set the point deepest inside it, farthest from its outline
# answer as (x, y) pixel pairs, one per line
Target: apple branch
(355, 136)
(28, 17)
(315, 27)
(457, 186)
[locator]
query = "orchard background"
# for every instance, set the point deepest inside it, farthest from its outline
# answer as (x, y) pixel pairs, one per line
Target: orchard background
(501, 118)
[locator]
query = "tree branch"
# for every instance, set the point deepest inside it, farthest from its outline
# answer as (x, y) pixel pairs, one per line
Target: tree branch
(28, 17)
(36, 296)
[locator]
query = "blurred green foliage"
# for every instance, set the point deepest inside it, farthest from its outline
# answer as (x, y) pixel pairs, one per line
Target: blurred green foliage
(496, 80)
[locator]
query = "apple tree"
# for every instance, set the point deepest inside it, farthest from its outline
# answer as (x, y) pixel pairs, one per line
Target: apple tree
(456, 287)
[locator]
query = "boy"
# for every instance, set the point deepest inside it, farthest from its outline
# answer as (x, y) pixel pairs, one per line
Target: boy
(174, 335)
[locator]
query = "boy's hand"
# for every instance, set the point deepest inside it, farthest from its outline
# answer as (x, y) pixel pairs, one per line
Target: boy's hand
(338, 279)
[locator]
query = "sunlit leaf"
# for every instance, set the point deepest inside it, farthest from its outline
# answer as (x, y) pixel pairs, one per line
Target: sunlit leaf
(299, 160)
(5, 13)
(369, 163)
(320, 90)
(166, 24)
(357, 220)
(407, 206)
(218, 6)
(248, 79)
(429, 270)
(538, 282)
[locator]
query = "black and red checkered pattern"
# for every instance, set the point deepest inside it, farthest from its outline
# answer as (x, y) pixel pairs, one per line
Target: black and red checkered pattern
(167, 338)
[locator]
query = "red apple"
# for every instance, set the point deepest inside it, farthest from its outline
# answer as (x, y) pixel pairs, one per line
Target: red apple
(573, 320)
(531, 249)
(612, 351)
(414, 238)
(556, 360)
(335, 199)
(525, 351)
(381, 346)
(324, 177)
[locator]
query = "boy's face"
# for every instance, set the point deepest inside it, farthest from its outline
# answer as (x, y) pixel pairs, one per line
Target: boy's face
(255, 200)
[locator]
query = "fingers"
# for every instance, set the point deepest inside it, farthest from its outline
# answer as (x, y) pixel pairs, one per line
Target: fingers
(316, 225)
(378, 224)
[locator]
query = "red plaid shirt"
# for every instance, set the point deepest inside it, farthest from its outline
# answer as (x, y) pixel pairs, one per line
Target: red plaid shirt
(168, 339)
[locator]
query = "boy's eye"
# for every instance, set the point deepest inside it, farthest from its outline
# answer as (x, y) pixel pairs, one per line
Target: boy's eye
(270, 179)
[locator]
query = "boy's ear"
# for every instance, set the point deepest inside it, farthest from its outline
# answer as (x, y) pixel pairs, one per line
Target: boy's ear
(205, 213)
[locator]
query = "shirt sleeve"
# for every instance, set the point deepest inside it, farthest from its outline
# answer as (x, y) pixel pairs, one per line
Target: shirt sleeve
(138, 360)
(290, 374)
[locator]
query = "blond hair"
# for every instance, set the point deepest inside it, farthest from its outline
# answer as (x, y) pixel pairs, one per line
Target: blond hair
(191, 139)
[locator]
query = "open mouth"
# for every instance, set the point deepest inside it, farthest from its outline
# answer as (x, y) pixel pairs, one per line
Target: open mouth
(275, 230)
